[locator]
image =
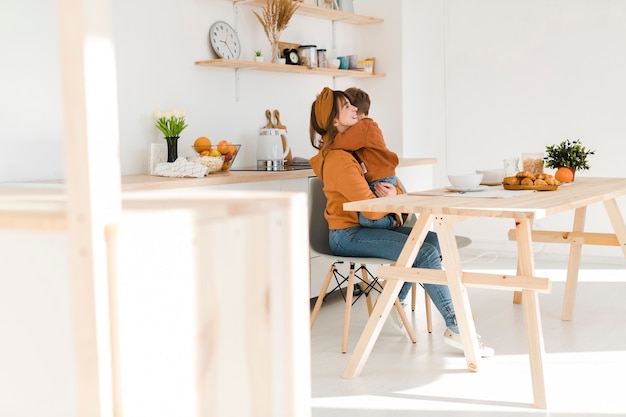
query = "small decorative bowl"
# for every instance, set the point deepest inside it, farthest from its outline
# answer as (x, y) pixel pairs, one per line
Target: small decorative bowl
(491, 176)
(465, 181)
(334, 63)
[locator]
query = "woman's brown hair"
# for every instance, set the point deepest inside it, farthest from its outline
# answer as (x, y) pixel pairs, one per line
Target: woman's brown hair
(323, 136)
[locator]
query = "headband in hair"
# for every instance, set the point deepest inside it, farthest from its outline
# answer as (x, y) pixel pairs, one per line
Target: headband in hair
(324, 106)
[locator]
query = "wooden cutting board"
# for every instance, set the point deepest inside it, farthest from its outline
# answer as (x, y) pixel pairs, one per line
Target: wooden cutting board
(279, 125)
(268, 116)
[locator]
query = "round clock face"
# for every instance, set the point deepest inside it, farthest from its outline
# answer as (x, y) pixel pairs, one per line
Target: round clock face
(293, 57)
(224, 40)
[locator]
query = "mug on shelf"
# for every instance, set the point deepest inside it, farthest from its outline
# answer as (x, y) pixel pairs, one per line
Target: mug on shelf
(353, 61)
(343, 62)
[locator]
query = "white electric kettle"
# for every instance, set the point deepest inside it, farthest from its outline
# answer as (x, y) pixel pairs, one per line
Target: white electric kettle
(269, 150)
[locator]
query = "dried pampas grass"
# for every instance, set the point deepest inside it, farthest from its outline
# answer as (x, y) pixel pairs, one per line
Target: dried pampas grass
(276, 16)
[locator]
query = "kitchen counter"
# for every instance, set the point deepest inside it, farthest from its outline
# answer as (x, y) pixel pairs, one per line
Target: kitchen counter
(151, 182)
(54, 190)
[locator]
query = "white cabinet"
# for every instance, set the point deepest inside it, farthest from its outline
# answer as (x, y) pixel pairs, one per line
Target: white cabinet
(203, 294)
(415, 173)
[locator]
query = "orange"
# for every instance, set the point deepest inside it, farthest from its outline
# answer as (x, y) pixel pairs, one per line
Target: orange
(223, 146)
(564, 174)
(233, 149)
(202, 144)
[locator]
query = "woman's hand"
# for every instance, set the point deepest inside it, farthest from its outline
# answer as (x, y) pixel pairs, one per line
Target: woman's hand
(384, 189)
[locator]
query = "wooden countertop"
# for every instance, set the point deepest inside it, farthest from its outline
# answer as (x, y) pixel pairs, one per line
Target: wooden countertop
(42, 204)
(151, 182)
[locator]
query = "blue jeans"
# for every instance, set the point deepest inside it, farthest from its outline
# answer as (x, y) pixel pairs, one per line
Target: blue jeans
(386, 222)
(382, 243)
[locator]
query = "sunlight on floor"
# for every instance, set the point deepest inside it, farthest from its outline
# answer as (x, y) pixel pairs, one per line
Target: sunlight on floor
(583, 357)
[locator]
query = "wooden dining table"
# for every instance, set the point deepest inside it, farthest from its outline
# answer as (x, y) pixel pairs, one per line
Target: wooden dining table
(441, 209)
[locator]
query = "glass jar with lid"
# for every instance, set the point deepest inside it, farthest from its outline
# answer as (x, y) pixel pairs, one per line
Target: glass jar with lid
(511, 167)
(308, 55)
(532, 162)
(322, 61)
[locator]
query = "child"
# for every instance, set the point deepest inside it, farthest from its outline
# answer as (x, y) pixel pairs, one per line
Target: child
(365, 140)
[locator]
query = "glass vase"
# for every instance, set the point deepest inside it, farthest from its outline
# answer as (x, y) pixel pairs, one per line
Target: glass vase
(172, 148)
(275, 52)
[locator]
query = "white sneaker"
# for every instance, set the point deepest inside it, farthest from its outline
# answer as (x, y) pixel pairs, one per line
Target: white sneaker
(454, 340)
(396, 320)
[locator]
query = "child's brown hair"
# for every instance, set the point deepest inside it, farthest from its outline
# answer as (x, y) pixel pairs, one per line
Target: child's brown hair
(359, 99)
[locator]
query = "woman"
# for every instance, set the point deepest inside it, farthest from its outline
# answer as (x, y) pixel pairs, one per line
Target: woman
(344, 181)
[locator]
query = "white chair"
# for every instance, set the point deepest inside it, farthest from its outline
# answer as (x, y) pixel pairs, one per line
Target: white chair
(318, 238)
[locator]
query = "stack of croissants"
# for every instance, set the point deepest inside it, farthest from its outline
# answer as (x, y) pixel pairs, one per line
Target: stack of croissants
(530, 179)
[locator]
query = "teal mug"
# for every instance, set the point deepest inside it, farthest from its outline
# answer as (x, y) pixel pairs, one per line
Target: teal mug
(343, 62)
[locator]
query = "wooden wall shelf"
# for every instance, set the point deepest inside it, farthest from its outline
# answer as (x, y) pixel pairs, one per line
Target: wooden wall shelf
(310, 10)
(304, 9)
(294, 69)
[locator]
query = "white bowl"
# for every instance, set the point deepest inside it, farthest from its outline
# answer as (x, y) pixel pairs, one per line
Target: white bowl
(491, 176)
(465, 181)
(333, 63)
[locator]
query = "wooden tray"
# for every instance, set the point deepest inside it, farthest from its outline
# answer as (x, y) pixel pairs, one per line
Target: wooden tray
(531, 187)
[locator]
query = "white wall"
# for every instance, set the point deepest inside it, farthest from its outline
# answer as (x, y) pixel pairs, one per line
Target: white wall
(423, 81)
(523, 75)
(31, 78)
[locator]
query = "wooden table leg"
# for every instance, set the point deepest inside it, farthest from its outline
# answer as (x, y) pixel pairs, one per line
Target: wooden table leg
(386, 299)
(458, 291)
(372, 329)
(534, 333)
(532, 317)
(517, 295)
(573, 265)
(617, 221)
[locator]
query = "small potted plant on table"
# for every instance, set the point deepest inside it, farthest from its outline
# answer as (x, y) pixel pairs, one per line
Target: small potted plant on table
(258, 55)
(567, 157)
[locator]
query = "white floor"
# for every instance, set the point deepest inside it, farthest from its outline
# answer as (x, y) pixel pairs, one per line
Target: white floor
(585, 367)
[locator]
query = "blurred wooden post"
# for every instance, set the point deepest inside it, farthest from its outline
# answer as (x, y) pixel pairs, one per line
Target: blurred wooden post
(92, 189)
(214, 299)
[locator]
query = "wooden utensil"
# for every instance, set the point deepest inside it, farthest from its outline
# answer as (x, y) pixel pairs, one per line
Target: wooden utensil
(279, 125)
(268, 115)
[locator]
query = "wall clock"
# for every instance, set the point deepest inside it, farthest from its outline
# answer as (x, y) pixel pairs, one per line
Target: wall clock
(224, 40)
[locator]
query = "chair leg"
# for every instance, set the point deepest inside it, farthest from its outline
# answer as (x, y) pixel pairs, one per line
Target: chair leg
(405, 320)
(348, 309)
(429, 316)
(367, 290)
(320, 298)
(407, 325)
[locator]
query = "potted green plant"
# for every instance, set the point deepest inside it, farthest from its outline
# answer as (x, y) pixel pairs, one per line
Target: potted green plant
(258, 55)
(171, 124)
(567, 157)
